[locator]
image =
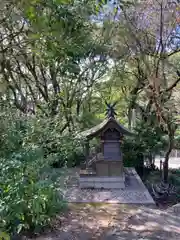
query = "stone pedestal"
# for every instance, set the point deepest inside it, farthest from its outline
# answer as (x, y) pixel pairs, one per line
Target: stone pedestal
(105, 175)
(109, 168)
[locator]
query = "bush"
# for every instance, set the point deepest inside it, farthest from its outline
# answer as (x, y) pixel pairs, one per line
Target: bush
(67, 152)
(148, 140)
(133, 158)
(64, 148)
(28, 201)
(174, 177)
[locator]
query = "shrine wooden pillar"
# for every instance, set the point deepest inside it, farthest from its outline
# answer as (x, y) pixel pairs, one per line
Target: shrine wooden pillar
(86, 151)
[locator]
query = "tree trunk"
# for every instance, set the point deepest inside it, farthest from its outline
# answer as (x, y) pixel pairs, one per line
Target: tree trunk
(166, 170)
(78, 105)
(153, 159)
(129, 118)
(87, 152)
(166, 160)
(150, 159)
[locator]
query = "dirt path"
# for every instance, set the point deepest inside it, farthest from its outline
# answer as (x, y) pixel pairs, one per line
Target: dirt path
(114, 222)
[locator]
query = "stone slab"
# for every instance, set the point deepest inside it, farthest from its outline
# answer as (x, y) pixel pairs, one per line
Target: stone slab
(102, 185)
(102, 182)
(101, 179)
(110, 185)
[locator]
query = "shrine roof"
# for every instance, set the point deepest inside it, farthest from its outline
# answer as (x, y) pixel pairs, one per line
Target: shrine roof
(96, 130)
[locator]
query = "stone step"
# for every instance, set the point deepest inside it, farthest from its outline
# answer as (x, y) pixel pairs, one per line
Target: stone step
(102, 182)
(102, 179)
(102, 185)
(88, 172)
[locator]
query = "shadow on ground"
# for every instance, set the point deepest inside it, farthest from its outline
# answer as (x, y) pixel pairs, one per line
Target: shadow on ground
(114, 222)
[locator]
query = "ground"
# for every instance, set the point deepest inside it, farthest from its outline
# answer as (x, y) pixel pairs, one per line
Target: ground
(103, 221)
(114, 222)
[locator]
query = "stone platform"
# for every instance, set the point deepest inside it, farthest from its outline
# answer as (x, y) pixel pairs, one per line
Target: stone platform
(102, 182)
(134, 192)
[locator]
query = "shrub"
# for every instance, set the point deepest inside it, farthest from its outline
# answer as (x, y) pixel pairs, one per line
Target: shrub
(133, 157)
(148, 140)
(67, 151)
(174, 177)
(64, 148)
(28, 201)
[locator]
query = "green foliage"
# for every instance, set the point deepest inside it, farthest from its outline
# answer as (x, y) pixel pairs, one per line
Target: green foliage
(56, 59)
(148, 140)
(28, 201)
(174, 177)
(177, 138)
(67, 152)
(133, 157)
(63, 25)
(150, 137)
(87, 120)
(64, 149)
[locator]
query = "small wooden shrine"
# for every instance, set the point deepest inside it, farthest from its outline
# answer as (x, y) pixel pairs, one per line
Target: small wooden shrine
(105, 169)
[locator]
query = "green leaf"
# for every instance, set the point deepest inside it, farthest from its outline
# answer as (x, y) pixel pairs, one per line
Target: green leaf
(4, 236)
(63, 1)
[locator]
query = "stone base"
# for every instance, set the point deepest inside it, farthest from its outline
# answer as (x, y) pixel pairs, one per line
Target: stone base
(102, 182)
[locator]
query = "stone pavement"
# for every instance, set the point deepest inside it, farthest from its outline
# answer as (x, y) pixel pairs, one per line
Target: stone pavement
(134, 193)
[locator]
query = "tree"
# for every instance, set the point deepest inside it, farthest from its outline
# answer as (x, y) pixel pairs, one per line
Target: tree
(54, 60)
(149, 40)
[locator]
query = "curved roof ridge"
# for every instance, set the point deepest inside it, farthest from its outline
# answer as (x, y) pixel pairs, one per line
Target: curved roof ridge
(92, 132)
